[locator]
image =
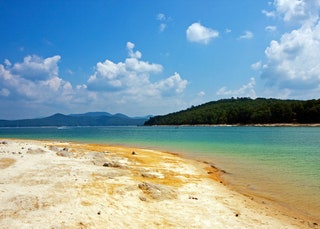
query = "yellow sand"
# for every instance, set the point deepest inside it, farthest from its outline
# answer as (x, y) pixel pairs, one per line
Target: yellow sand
(68, 185)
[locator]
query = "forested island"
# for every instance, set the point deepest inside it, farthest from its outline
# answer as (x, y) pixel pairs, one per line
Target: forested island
(244, 111)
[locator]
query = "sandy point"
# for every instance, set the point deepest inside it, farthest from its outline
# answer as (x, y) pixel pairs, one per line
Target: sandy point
(47, 184)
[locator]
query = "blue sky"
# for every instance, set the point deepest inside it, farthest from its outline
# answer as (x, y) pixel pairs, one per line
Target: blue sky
(153, 57)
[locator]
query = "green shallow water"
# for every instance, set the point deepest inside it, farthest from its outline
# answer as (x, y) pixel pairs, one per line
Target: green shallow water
(278, 163)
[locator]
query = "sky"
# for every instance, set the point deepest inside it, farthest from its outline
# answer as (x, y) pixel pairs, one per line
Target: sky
(153, 57)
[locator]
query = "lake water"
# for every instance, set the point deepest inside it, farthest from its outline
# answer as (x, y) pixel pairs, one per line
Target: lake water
(281, 164)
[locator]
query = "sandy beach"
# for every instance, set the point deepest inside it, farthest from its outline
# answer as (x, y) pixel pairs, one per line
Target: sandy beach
(46, 184)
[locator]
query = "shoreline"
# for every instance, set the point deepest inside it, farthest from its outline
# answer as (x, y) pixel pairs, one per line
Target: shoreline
(214, 125)
(253, 125)
(151, 188)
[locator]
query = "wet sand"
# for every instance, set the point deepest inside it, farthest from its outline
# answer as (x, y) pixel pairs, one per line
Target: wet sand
(46, 184)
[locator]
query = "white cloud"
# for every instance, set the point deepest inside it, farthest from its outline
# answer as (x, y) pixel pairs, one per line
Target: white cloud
(36, 68)
(82, 86)
(161, 17)
(129, 85)
(291, 9)
(201, 94)
(293, 62)
(295, 58)
(271, 28)
(35, 86)
(35, 79)
(130, 81)
(297, 11)
(246, 35)
(200, 34)
(172, 84)
(269, 13)
(256, 66)
(7, 62)
(123, 75)
(246, 90)
(164, 21)
(4, 92)
(130, 47)
(162, 27)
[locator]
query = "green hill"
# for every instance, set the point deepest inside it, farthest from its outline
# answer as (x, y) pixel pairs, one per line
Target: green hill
(244, 111)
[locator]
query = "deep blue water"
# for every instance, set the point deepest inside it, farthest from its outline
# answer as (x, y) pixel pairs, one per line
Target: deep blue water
(280, 163)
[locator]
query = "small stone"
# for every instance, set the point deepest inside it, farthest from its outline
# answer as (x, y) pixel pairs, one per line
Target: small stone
(112, 164)
(99, 213)
(64, 153)
(106, 164)
(35, 151)
(53, 148)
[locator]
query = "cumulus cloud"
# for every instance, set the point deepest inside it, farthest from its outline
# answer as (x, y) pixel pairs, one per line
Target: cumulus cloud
(173, 84)
(130, 81)
(35, 86)
(295, 11)
(295, 58)
(200, 34)
(34, 79)
(34, 67)
(131, 53)
(246, 90)
(293, 61)
(291, 9)
(129, 84)
(123, 75)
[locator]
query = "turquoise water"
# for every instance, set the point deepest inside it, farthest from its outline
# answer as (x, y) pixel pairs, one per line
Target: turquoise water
(278, 163)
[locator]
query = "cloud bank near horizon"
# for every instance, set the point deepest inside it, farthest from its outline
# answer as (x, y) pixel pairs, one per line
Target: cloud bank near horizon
(113, 85)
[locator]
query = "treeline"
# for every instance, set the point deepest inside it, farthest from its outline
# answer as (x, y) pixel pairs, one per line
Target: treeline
(244, 111)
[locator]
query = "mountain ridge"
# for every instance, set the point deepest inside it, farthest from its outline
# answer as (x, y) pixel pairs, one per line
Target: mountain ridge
(85, 119)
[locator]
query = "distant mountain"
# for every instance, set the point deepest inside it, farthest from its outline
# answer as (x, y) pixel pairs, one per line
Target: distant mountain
(92, 114)
(87, 119)
(244, 111)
